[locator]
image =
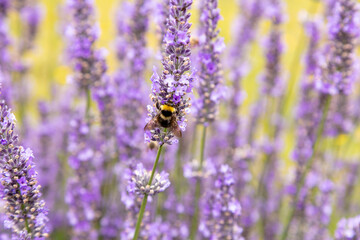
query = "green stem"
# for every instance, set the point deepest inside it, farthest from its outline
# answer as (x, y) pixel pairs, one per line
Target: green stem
(88, 103)
(295, 65)
(144, 202)
(195, 219)
(25, 219)
(308, 167)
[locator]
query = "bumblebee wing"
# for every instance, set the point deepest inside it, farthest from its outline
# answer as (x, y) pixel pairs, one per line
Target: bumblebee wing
(152, 124)
(175, 128)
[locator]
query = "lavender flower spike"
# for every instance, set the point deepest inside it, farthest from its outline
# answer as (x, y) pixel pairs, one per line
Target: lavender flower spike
(210, 72)
(173, 85)
(82, 35)
(274, 48)
(343, 31)
(26, 213)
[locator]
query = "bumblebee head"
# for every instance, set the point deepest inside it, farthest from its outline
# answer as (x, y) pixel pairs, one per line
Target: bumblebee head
(167, 110)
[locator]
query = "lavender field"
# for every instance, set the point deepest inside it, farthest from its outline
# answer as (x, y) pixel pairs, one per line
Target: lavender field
(179, 119)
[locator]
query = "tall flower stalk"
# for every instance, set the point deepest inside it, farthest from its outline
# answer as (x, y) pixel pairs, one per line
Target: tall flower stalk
(132, 54)
(171, 88)
(209, 89)
(85, 154)
(272, 87)
(26, 212)
(335, 79)
(246, 33)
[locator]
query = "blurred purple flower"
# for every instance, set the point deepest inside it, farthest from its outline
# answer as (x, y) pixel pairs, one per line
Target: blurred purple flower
(348, 229)
(221, 211)
(272, 81)
(130, 80)
(210, 74)
(87, 62)
(83, 189)
(343, 31)
(246, 28)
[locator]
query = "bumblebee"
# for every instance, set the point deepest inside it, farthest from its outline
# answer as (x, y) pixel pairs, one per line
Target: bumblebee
(166, 118)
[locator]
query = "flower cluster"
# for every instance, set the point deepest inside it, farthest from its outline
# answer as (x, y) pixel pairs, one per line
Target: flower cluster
(83, 190)
(173, 85)
(88, 63)
(26, 212)
(139, 183)
(210, 74)
(348, 229)
(222, 209)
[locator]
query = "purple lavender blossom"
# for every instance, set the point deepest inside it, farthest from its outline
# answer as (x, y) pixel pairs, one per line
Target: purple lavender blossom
(130, 79)
(307, 113)
(87, 62)
(175, 82)
(222, 210)
(246, 29)
(210, 67)
(271, 81)
(83, 190)
(30, 15)
(348, 229)
(319, 213)
(139, 182)
(27, 215)
(343, 31)
(104, 95)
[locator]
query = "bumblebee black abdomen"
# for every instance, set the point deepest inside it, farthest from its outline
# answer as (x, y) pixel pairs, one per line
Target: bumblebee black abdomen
(166, 113)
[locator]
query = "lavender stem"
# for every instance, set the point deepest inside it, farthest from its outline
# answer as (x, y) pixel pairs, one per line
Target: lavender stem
(144, 201)
(88, 103)
(26, 220)
(195, 219)
(308, 166)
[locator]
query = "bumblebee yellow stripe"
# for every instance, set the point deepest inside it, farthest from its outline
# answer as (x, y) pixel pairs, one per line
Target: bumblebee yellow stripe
(167, 108)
